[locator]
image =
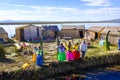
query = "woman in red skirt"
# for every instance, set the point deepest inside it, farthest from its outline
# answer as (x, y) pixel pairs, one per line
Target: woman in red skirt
(76, 52)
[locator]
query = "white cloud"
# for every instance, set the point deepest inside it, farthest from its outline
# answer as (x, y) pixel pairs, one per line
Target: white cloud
(97, 2)
(47, 13)
(49, 8)
(100, 11)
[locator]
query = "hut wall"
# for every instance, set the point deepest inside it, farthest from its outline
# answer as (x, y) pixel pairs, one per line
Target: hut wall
(30, 33)
(70, 33)
(50, 34)
(113, 39)
(91, 35)
(4, 36)
(17, 34)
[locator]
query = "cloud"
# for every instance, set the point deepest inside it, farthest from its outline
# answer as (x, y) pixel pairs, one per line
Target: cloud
(49, 8)
(97, 2)
(100, 11)
(51, 13)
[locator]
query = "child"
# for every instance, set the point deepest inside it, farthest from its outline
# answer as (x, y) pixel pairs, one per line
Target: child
(34, 54)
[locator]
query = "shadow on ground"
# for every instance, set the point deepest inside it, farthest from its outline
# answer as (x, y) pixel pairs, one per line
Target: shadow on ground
(7, 60)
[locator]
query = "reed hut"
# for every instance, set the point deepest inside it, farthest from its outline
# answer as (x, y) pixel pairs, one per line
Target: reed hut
(50, 31)
(73, 31)
(93, 32)
(3, 35)
(28, 32)
(114, 34)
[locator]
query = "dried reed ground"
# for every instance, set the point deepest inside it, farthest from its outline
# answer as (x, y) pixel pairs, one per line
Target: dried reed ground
(15, 63)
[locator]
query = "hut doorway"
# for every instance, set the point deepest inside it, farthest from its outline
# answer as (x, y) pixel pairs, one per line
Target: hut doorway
(56, 34)
(38, 35)
(81, 34)
(1, 40)
(21, 34)
(96, 35)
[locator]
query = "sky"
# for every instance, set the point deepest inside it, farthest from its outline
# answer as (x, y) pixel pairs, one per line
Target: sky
(59, 10)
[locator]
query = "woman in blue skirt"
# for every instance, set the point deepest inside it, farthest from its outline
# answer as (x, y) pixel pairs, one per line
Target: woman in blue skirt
(118, 44)
(39, 59)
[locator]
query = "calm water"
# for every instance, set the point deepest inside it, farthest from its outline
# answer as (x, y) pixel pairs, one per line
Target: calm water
(11, 28)
(103, 75)
(96, 75)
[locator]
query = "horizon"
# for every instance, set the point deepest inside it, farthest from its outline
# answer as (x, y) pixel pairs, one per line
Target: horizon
(59, 20)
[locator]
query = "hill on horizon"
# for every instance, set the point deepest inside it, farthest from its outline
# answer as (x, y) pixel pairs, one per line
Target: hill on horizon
(41, 21)
(115, 20)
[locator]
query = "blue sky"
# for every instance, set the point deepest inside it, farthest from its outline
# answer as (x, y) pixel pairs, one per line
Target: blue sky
(59, 10)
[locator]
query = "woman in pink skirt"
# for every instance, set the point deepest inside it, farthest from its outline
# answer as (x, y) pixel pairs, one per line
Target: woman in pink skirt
(69, 54)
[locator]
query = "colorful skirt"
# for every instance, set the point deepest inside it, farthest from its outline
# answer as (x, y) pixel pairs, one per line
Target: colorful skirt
(39, 60)
(61, 56)
(34, 57)
(76, 54)
(69, 55)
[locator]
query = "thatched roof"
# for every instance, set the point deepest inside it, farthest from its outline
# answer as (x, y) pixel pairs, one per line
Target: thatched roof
(96, 28)
(50, 27)
(44, 27)
(2, 31)
(73, 27)
(113, 30)
(25, 26)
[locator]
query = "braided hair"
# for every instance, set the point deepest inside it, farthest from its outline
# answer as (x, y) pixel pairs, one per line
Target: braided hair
(69, 45)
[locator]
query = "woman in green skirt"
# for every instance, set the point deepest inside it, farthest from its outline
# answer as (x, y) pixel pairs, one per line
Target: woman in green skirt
(61, 54)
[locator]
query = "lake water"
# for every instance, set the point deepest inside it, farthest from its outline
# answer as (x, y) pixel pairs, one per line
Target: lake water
(103, 75)
(11, 28)
(95, 75)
